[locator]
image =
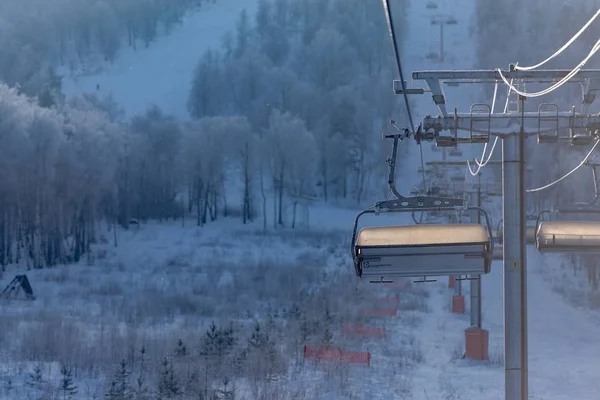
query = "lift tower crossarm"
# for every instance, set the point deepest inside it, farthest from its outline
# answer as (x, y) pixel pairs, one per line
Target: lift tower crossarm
(493, 74)
(458, 163)
(549, 126)
(433, 80)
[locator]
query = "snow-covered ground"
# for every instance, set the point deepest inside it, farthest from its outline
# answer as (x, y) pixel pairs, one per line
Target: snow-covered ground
(165, 281)
(162, 74)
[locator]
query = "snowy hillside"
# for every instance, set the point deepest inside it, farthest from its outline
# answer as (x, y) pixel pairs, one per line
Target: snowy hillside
(162, 74)
(178, 308)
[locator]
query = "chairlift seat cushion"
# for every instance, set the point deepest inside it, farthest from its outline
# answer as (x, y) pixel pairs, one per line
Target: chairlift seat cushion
(423, 250)
(568, 236)
(422, 235)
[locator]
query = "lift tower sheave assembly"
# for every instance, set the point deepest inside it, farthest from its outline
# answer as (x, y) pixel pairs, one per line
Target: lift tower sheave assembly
(550, 125)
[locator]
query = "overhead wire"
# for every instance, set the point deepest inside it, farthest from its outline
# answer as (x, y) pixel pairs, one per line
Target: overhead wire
(480, 164)
(595, 49)
(558, 84)
(581, 164)
(566, 45)
(392, 32)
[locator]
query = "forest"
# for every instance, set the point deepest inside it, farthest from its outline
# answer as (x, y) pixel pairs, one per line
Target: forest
(262, 118)
(37, 36)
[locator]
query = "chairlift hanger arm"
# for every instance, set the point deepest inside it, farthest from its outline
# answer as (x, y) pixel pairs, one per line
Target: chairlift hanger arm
(407, 203)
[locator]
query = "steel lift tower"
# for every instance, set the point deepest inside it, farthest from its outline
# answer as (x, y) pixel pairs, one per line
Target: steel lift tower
(549, 125)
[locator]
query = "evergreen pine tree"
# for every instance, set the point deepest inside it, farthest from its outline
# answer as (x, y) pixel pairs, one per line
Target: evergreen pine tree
(67, 387)
(120, 389)
(227, 394)
(258, 338)
(209, 345)
(180, 349)
(226, 340)
(35, 379)
(217, 341)
(141, 392)
(168, 387)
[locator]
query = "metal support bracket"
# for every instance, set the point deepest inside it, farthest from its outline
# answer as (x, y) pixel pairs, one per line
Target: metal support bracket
(382, 281)
(425, 280)
(467, 278)
(421, 203)
(553, 118)
(437, 94)
(397, 85)
(592, 86)
(480, 113)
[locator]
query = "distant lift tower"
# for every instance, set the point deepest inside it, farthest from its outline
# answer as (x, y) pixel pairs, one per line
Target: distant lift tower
(549, 125)
(442, 20)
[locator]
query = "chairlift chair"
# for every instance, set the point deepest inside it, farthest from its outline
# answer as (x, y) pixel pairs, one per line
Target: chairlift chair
(420, 251)
(385, 253)
(571, 236)
(568, 236)
(432, 54)
(431, 5)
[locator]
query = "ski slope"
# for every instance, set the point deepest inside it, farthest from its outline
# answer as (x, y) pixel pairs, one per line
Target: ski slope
(562, 340)
(563, 350)
(162, 74)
